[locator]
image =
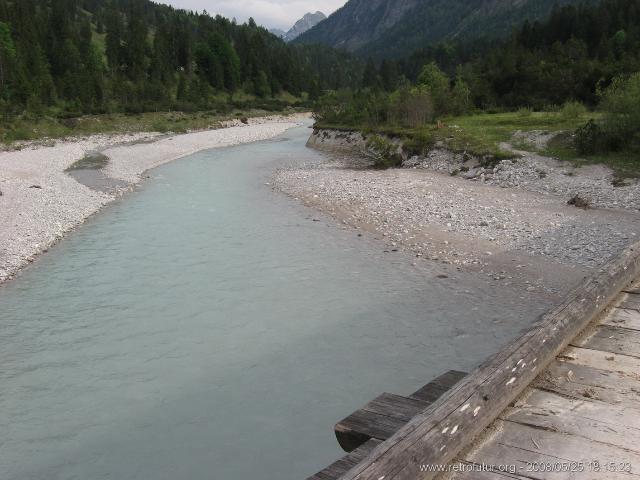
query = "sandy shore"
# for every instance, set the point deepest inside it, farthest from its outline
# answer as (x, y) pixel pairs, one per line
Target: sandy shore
(40, 202)
(520, 230)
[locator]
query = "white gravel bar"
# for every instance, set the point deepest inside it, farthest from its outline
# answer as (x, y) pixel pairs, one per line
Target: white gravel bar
(512, 223)
(40, 202)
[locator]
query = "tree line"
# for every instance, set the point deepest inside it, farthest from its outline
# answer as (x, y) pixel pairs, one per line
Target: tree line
(95, 56)
(566, 56)
(588, 54)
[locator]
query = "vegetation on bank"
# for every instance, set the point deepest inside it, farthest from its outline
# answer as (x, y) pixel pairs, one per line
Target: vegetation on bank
(583, 58)
(67, 58)
(28, 127)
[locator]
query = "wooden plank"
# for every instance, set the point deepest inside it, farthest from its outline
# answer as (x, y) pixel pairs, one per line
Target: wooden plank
(432, 391)
(437, 435)
(592, 420)
(522, 446)
(603, 360)
(386, 414)
(589, 383)
(403, 408)
(616, 340)
(342, 466)
(361, 426)
(623, 318)
(631, 302)
(478, 472)
(379, 419)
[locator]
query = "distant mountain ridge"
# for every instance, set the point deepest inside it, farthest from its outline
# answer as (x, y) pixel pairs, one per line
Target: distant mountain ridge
(395, 28)
(307, 22)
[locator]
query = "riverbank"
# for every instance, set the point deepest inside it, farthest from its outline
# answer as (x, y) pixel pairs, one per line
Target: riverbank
(40, 202)
(514, 224)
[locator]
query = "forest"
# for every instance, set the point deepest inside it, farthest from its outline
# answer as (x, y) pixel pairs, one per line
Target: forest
(74, 57)
(581, 59)
(64, 59)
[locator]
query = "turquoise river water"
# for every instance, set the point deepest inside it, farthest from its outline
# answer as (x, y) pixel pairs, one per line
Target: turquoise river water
(205, 327)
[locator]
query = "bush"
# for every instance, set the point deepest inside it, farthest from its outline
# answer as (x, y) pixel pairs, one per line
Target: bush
(525, 112)
(384, 153)
(590, 139)
(620, 126)
(411, 107)
(572, 110)
(419, 143)
(160, 126)
(621, 104)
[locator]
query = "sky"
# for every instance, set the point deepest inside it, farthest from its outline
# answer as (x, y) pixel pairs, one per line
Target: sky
(269, 13)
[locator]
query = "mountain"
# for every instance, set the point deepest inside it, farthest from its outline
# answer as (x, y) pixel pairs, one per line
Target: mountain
(395, 28)
(306, 23)
(277, 32)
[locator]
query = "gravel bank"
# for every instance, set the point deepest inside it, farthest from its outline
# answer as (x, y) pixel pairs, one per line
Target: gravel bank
(513, 224)
(39, 202)
(536, 173)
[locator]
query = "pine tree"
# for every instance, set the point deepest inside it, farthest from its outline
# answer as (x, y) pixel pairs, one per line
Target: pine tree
(370, 76)
(389, 75)
(136, 41)
(7, 55)
(113, 41)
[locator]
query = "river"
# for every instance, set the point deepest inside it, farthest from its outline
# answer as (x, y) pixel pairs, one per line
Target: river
(207, 327)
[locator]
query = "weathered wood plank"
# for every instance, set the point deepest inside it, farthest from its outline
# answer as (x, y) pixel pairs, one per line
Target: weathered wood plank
(592, 420)
(432, 391)
(480, 473)
(342, 466)
(379, 419)
(620, 317)
(386, 414)
(363, 425)
(586, 382)
(437, 435)
(396, 406)
(616, 340)
(603, 360)
(523, 446)
(631, 303)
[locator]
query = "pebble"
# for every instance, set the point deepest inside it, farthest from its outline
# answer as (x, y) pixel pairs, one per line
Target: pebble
(528, 215)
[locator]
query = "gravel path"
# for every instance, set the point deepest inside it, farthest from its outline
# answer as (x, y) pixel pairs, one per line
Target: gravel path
(40, 203)
(513, 230)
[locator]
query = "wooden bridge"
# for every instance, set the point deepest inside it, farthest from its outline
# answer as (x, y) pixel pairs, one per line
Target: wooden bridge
(561, 402)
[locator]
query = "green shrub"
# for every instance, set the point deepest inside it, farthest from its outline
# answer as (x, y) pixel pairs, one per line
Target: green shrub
(525, 112)
(590, 139)
(160, 126)
(571, 110)
(384, 153)
(621, 104)
(419, 143)
(619, 129)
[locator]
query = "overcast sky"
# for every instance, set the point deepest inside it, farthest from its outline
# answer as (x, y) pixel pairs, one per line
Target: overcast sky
(270, 13)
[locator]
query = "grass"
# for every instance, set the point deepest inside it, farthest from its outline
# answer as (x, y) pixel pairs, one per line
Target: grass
(28, 127)
(624, 164)
(496, 128)
(482, 134)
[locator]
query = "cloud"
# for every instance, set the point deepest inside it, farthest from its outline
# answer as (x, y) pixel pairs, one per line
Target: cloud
(270, 13)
